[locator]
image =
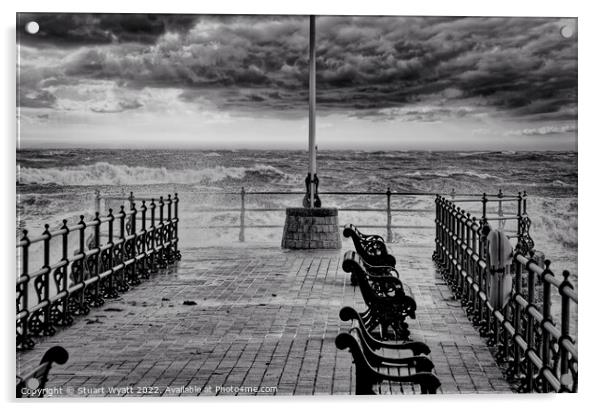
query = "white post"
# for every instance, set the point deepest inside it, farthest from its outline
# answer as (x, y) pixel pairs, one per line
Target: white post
(97, 200)
(312, 108)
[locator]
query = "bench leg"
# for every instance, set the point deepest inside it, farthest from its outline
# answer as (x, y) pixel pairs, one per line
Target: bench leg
(363, 385)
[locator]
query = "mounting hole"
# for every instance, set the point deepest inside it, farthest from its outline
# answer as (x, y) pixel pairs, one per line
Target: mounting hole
(32, 27)
(567, 31)
(32, 383)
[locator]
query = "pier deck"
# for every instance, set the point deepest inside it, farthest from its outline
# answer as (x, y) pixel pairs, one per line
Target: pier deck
(253, 316)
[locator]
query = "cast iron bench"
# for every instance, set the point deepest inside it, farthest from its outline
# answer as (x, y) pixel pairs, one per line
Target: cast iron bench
(389, 304)
(32, 385)
(371, 248)
(387, 374)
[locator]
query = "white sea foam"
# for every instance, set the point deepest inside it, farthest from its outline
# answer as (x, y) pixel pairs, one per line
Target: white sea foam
(443, 174)
(560, 183)
(103, 173)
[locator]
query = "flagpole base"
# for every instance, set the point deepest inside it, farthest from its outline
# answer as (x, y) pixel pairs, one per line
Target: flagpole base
(311, 228)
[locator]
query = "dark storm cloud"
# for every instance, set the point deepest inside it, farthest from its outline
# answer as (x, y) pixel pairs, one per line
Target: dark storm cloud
(75, 29)
(520, 67)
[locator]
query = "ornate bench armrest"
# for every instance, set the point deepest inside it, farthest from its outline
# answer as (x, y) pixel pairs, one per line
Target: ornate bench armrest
(374, 238)
(416, 347)
(371, 247)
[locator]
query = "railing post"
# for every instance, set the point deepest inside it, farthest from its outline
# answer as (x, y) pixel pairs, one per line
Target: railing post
(176, 220)
(64, 281)
(484, 251)
(48, 329)
(82, 304)
(565, 318)
(170, 252)
(160, 234)
(24, 340)
(123, 284)
(389, 231)
(153, 232)
(547, 319)
(474, 227)
(519, 216)
(483, 317)
(241, 234)
(500, 209)
(96, 299)
(133, 270)
(462, 257)
(97, 201)
(456, 252)
(517, 317)
(528, 383)
(484, 214)
(143, 267)
(110, 290)
(437, 253)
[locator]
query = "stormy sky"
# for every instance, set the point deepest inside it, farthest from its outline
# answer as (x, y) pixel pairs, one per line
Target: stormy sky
(241, 81)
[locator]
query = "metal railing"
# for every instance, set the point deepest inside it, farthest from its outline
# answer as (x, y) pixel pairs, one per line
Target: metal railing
(52, 295)
(538, 354)
(388, 211)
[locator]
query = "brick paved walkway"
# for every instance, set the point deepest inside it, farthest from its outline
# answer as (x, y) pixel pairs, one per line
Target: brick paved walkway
(254, 317)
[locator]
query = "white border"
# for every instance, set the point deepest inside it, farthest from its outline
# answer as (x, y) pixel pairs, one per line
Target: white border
(589, 171)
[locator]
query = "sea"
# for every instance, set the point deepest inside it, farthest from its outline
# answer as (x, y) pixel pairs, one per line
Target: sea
(58, 184)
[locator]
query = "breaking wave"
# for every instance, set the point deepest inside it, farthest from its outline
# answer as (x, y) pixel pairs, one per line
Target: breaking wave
(452, 173)
(103, 173)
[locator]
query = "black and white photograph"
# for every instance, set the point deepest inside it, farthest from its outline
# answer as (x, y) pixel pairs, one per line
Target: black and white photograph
(295, 205)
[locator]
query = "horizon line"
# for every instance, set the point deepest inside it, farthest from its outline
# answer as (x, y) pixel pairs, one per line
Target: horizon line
(158, 148)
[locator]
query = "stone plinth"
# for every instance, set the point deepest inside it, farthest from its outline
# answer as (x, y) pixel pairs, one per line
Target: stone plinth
(311, 228)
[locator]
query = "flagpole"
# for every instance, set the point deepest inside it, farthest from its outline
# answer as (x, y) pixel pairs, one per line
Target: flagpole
(312, 108)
